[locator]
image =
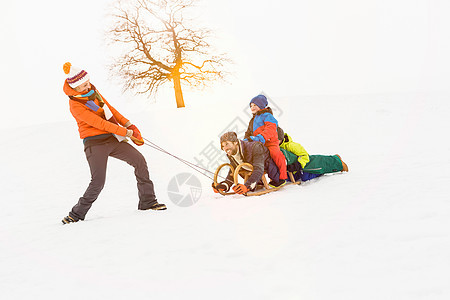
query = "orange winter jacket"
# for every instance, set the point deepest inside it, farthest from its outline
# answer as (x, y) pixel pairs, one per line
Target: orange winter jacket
(91, 123)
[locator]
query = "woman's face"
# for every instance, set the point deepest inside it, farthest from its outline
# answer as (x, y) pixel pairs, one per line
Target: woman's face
(83, 88)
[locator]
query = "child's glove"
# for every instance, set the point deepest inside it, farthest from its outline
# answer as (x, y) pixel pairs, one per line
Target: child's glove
(240, 189)
(136, 137)
(294, 167)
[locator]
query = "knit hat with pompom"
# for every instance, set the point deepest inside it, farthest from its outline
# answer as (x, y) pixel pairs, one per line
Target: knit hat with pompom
(75, 76)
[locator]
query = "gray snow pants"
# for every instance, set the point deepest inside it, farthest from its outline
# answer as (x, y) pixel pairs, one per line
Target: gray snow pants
(97, 152)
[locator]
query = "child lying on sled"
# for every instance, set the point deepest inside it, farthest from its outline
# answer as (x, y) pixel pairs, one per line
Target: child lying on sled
(305, 166)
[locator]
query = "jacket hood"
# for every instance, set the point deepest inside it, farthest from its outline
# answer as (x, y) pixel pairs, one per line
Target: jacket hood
(68, 90)
(287, 139)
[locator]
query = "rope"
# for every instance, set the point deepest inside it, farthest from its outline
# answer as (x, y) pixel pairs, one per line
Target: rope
(189, 164)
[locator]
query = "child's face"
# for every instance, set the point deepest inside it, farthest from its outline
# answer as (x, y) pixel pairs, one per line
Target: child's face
(254, 108)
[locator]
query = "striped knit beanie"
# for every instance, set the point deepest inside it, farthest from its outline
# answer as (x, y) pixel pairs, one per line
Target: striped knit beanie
(75, 76)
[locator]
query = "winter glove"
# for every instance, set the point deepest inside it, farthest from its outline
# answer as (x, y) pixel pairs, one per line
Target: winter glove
(295, 167)
(129, 133)
(136, 137)
(136, 132)
(240, 189)
(222, 186)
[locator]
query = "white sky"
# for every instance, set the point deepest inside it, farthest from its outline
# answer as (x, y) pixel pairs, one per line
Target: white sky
(283, 47)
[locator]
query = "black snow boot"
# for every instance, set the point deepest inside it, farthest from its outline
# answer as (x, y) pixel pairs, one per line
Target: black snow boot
(68, 220)
(158, 206)
(277, 184)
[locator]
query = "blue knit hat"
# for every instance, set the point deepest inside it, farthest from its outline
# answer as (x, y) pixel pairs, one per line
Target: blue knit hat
(260, 101)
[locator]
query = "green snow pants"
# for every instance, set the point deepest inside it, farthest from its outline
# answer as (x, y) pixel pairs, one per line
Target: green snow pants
(323, 164)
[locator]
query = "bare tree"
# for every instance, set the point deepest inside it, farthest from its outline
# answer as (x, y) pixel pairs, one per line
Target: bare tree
(160, 44)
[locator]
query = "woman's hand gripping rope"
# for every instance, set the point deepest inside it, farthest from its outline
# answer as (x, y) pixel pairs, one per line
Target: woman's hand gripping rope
(136, 137)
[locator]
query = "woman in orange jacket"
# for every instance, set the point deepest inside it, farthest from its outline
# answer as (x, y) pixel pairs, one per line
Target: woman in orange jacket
(104, 131)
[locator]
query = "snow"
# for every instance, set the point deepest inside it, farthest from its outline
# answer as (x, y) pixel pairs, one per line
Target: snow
(380, 231)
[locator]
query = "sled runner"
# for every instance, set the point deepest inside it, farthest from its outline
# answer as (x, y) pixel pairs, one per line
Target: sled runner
(239, 171)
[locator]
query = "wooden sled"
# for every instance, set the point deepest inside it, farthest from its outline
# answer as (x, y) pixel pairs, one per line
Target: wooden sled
(240, 171)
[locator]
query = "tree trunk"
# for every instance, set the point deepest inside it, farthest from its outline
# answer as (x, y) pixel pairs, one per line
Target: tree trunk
(178, 92)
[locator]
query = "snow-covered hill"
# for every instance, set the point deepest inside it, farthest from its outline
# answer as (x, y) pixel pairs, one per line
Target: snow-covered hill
(380, 231)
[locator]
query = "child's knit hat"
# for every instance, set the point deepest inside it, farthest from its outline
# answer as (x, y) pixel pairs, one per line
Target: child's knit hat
(75, 76)
(260, 101)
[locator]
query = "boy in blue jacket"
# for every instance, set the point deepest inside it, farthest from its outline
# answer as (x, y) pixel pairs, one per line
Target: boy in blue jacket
(263, 128)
